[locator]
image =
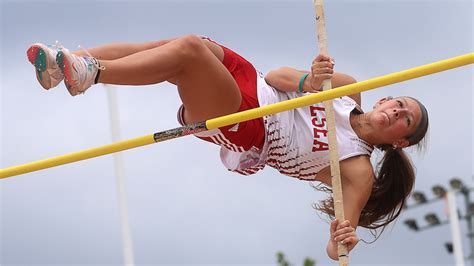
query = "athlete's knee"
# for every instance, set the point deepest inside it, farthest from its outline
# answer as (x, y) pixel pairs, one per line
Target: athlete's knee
(191, 46)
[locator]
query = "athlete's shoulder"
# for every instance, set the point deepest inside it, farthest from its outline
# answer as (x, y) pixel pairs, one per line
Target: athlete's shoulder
(357, 169)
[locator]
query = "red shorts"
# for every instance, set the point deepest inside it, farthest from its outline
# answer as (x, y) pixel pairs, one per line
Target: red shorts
(244, 135)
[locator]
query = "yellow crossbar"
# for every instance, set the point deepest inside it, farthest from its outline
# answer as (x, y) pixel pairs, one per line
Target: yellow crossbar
(244, 116)
(77, 156)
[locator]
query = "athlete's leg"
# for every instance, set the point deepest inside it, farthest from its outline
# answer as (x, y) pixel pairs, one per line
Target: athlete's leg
(119, 50)
(206, 87)
(49, 75)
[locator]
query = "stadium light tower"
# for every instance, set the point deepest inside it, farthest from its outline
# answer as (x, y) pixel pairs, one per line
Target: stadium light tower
(456, 188)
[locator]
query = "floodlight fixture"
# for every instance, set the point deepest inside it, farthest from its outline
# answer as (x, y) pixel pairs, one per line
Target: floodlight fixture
(419, 197)
(456, 183)
(439, 191)
(449, 247)
(432, 219)
(411, 223)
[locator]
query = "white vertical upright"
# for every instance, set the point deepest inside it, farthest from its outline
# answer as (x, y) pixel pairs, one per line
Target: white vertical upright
(1, 138)
(120, 179)
(455, 229)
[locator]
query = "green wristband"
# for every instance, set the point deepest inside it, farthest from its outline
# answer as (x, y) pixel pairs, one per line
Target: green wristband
(300, 84)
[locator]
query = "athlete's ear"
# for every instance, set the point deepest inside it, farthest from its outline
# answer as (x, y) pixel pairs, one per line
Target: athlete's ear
(381, 101)
(401, 143)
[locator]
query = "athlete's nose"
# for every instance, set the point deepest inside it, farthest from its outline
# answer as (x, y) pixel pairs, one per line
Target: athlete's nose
(398, 112)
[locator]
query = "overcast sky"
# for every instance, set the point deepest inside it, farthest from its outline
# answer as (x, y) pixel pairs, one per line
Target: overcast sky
(185, 207)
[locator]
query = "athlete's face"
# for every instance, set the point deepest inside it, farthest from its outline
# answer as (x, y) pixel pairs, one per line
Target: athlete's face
(394, 120)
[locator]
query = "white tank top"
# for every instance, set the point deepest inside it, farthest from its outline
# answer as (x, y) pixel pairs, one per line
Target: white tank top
(296, 141)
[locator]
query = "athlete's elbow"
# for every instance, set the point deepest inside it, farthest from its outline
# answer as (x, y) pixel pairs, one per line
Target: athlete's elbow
(277, 77)
(274, 73)
(271, 77)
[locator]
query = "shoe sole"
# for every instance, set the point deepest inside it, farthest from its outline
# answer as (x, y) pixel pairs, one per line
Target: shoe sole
(64, 64)
(37, 57)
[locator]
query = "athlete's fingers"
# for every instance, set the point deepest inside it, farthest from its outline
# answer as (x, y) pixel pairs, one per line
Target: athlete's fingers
(321, 77)
(323, 64)
(350, 240)
(333, 226)
(322, 57)
(344, 236)
(325, 70)
(345, 223)
(344, 230)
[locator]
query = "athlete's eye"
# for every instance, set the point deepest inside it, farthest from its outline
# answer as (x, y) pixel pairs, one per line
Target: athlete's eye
(400, 103)
(408, 121)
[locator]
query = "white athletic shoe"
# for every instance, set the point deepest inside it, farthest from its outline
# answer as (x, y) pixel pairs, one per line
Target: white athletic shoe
(79, 71)
(43, 58)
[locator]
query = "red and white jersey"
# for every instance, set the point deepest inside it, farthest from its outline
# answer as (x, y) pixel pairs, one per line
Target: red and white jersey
(296, 141)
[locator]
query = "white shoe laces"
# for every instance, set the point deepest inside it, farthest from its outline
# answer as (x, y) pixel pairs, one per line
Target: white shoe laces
(56, 46)
(95, 62)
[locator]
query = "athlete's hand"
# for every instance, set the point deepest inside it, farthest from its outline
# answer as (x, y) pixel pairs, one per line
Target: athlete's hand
(344, 233)
(321, 69)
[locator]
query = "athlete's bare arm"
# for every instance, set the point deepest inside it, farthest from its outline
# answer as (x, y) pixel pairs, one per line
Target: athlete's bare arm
(287, 79)
(357, 180)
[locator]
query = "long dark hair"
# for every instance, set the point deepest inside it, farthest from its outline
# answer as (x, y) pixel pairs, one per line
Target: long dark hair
(395, 177)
